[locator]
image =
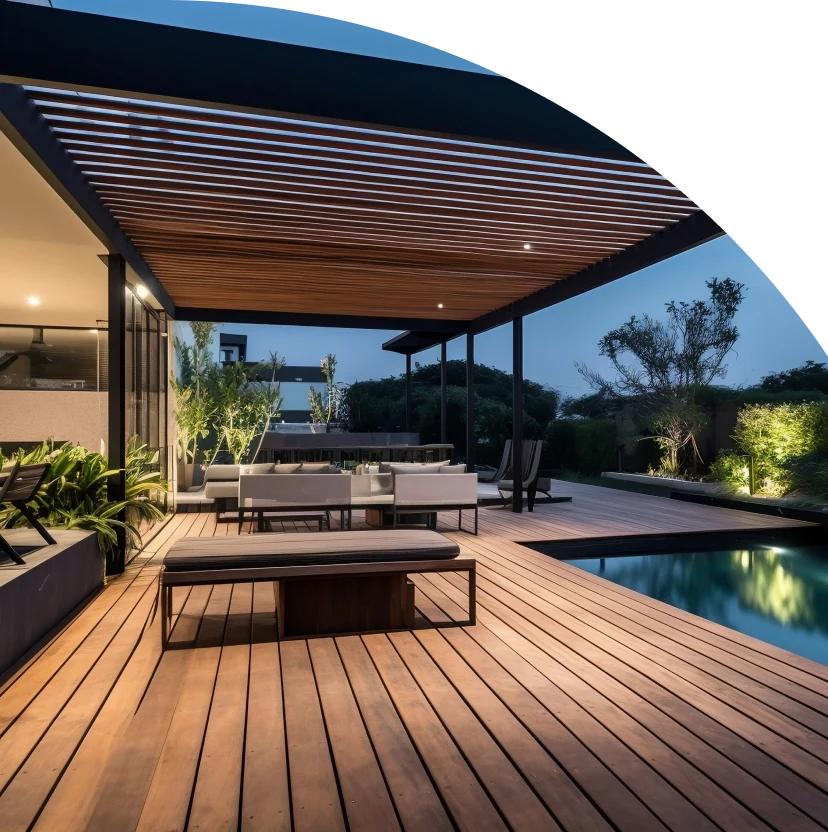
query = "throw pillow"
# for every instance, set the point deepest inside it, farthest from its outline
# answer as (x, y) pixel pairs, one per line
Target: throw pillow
(316, 468)
(258, 468)
(399, 468)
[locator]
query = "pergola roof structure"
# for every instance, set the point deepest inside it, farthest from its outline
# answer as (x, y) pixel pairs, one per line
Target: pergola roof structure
(465, 200)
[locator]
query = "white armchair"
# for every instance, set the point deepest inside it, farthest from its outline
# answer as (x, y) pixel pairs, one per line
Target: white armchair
(294, 493)
(430, 493)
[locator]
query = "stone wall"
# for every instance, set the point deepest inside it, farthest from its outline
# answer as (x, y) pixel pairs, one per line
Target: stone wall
(78, 417)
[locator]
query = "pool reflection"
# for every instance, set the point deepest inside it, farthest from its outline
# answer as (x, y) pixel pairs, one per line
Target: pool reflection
(777, 595)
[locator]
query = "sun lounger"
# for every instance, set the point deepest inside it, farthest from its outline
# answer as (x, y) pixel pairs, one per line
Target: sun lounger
(17, 486)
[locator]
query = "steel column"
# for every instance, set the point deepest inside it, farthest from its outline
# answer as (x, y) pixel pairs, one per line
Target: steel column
(443, 398)
(470, 438)
(517, 415)
(116, 397)
(408, 392)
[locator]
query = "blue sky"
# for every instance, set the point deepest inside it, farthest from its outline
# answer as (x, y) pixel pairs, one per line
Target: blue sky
(772, 335)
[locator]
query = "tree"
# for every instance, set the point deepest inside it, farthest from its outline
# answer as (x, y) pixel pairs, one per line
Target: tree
(662, 364)
(600, 405)
(379, 405)
(810, 376)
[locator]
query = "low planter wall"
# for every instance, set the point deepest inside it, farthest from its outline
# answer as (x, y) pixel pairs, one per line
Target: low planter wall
(670, 484)
(36, 597)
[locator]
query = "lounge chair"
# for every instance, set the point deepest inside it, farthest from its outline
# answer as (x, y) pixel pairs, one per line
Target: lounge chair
(532, 450)
(328, 583)
(18, 485)
(505, 463)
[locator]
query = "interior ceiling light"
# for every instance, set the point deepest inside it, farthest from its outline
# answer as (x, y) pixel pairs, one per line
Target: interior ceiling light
(33, 301)
(527, 246)
(142, 291)
(439, 305)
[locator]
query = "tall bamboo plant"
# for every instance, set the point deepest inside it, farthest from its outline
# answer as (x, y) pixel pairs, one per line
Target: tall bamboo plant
(323, 410)
(193, 409)
(244, 405)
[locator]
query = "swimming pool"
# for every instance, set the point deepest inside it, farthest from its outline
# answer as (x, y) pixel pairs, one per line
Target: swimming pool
(778, 595)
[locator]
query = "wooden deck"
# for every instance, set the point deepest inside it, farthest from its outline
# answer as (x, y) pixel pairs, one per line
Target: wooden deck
(573, 704)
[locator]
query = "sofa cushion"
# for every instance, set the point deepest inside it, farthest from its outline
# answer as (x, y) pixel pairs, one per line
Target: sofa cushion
(218, 489)
(415, 467)
(453, 469)
(317, 468)
(286, 467)
(221, 472)
(308, 548)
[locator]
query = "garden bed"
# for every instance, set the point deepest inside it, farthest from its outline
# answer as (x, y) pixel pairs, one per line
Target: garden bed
(37, 597)
(692, 486)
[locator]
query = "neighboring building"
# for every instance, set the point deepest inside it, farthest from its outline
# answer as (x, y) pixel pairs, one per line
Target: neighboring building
(294, 386)
(294, 382)
(232, 348)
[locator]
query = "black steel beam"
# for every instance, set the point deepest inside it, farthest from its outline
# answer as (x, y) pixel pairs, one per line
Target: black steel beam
(410, 343)
(250, 316)
(408, 393)
(683, 235)
(517, 415)
(81, 51)
(28, 131)
(443, 396)
(116, 397)
(470, 437)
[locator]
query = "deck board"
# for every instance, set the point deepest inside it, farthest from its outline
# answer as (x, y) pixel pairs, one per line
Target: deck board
(573, 704)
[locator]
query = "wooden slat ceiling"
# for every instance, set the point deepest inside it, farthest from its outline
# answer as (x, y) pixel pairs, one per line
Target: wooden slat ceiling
(236, 211)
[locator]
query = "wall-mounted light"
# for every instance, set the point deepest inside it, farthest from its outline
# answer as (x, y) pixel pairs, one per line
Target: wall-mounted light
(142, 291)
(33, 301)
(93, 331)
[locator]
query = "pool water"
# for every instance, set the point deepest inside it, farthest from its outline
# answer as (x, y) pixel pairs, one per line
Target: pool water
(777, 595)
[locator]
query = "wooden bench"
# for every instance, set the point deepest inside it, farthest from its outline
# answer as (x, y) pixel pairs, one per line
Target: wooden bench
(328, 584)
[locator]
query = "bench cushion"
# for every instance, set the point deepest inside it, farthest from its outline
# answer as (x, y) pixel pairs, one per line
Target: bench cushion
(307, 548)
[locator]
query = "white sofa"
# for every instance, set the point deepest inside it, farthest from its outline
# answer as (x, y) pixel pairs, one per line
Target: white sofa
(400, 488)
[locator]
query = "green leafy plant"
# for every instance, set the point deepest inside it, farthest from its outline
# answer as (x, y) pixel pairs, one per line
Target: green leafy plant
(74, 495)
(775, 436)
(808, 475)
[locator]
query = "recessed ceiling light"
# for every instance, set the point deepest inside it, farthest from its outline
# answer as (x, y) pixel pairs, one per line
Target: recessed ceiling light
(439, 305)
(527, 246)
(94, 331)
(142, 291)
(33, 301)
